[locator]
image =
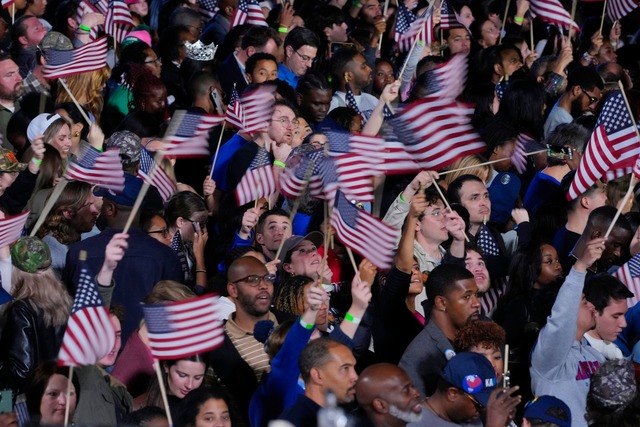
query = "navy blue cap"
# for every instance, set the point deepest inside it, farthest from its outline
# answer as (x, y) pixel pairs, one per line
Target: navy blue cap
(549, 409)
(132, 186)
(473, 374)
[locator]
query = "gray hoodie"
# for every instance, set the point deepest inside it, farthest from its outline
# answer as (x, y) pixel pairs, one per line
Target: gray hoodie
(561, 366)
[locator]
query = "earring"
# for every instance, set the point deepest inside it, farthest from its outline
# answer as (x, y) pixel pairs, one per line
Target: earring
(76, 134)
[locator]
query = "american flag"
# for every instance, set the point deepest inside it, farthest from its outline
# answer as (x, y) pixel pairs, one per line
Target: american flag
(350, 99)
(7, 3)
(362, 232)
(258, 181)
(436, 132)
(188, 134)
(118, 21)
(257, 107)
(553, 12)
(624, 168)
(448, 16)
(235, 113)
(248, 12)
(613, 142)
(11, 228)
(420, 28)
(90, 335)
(487, 242)
(101, 169)
(629, 274)
(85, 6)
(159, 179)
(618, 9)
(297, 176)
(208, 8)
(447, 81)
(524, 145)
(61, 63)
(184, 328)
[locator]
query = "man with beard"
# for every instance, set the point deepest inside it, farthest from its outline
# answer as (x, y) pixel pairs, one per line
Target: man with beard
(241, 360)
(10, 90)
(348, 66)
(325, 366)
(314, 97)
(452, 301)
(387, 395)
(584, 86)
(562, 360)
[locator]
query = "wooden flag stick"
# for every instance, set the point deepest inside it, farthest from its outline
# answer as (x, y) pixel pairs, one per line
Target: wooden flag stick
(504, 19)
(53, 197)
(163, 391)
(352, 259)
(488, 163)
(215, 156)
(604, 12)
(384, 13)
(143, 192)
(532, 47)
(413, 46)
(67, 407)
(444, 199)
(505, 373)
(13, 13)
(255, 203)
(574, 5)
(325, 255)
(75, 101)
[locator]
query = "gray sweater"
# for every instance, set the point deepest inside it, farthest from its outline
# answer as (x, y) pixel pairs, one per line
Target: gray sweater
(561, 366)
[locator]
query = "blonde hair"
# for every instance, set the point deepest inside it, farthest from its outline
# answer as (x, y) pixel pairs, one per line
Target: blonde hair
(483, 172)
(45, 292)
(169, 291)
(87, 88)
(54, 128)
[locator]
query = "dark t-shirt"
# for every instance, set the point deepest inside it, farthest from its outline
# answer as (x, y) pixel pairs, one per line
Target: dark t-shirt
(302, 413)
(564, 241)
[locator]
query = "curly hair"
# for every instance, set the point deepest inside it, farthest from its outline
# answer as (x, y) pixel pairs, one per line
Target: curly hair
(290, 294)
(487, 334)
(87, 88)
(72, 199)
(44, 292)
(143, 86)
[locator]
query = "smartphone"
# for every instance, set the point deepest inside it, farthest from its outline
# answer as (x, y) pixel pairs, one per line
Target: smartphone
(215, 97)
(559, 152)
(6, 401)
(195, 227)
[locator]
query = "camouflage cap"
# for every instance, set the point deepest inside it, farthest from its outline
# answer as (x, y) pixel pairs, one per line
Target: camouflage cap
(613, 385)
(30, 254)
(9, 162)
(129, 145)
(55, 40)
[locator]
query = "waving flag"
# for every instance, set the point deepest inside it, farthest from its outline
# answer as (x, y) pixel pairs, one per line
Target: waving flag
(90, 335)
(447, 81)
(297, 176)
(257, 107)
(629, 274)
(248, 12)
(613, 142)
(188, 134)
(208, 8)
(165, 185)
(448, 16)
(420, 29)
(258, 181)
(96, 168)
(618, 9)
(365, 234)
(553, 12)
(11, 228)
(118, 20)
(89, 57)
(235, 113)
(184, 328)
(437, 132)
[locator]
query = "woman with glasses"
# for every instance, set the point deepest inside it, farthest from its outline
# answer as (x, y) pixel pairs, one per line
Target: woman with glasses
(187, 216)
(155, 226)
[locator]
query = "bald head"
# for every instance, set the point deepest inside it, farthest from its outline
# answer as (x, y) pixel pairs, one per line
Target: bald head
(387, 394)
(245, 266)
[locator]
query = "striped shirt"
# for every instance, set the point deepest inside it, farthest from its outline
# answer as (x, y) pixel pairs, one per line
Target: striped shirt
(250, 349)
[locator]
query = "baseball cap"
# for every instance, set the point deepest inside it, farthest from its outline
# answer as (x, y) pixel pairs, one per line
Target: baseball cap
(132, 186)
(316, 237)
(549, 409)
(55, 40)
(40, 124)
(613, 385)
(128, 143)
(473, 374)
(9, 162)
(30, 254)
(137, 36)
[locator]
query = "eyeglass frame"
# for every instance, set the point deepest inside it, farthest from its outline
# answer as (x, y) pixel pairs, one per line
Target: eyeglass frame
(158, 60)
(268, 278)
(202, 224)
(305, 58)
(284, 120)
(164, 232)
(592, 99)
(479, 406)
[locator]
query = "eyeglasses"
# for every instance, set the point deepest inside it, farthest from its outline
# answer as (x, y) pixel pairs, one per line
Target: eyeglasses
(154, 61)
(254, 280)
(477, 404)
(286, 122)
(592, 99)
(164, 232)
(435, 213)
(305, 58)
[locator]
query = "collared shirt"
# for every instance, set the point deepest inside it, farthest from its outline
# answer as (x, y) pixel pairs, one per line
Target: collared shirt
(250, 349)
(287, 75)
(242, 67)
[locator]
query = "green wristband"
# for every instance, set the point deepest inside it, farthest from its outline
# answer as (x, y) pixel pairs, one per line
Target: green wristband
(305, 324)
(279, 163)
(85, 28)
(350, 318)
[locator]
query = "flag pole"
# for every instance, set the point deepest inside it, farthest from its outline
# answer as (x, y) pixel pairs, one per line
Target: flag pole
(57, 190)
(413, 46)
(532, 47)
(504, 19)
(67, 406)
(384, 14)
(604, 12)
(352, 259)
(505, 372)
(634, 179)
(215, 156)
(446, 202)
(142, 193)
(75, 101)
(488, 163)
(574, 5)
(325, 243)
(163, 391)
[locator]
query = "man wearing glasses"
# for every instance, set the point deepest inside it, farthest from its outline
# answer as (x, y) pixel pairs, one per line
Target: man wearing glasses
(584, 89)
(300, 50)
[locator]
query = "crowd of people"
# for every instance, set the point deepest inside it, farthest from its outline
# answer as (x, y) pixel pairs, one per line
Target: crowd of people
(509, 301)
